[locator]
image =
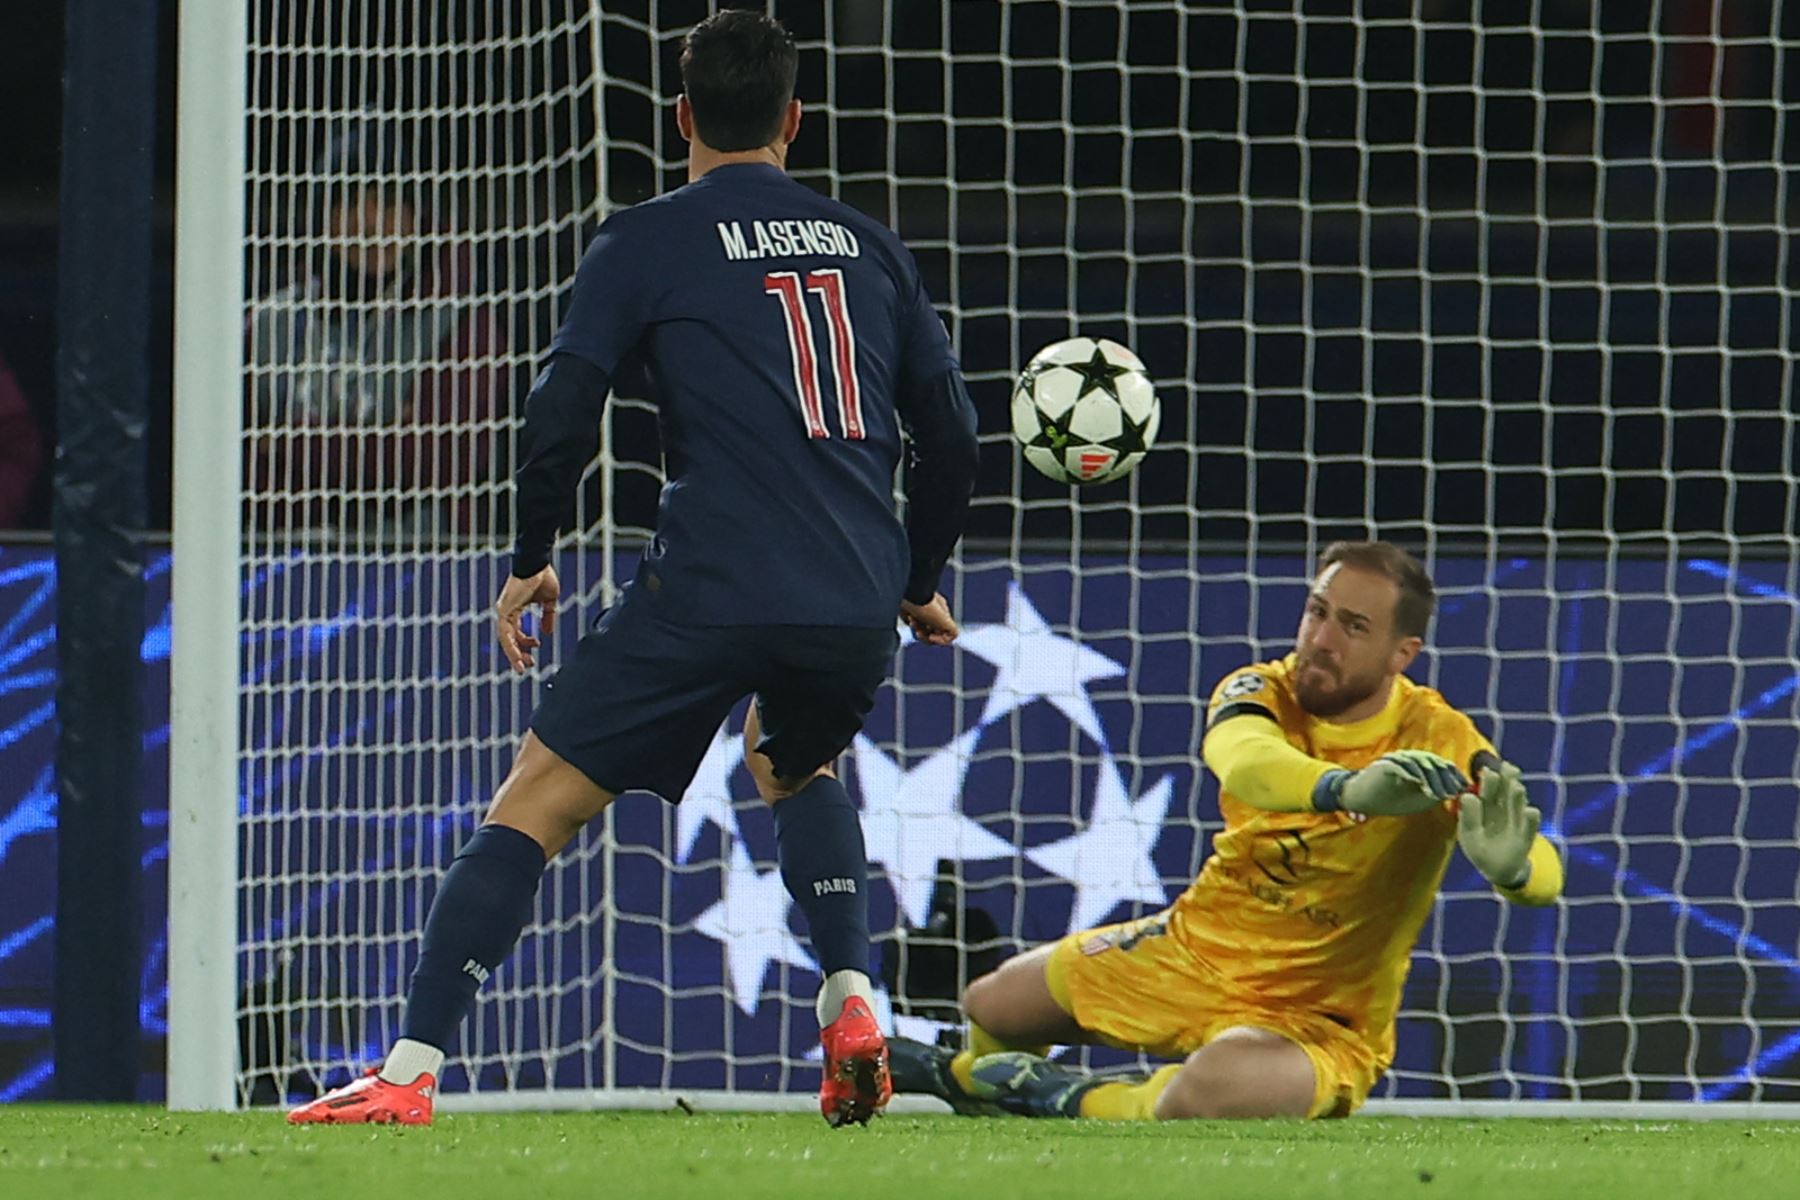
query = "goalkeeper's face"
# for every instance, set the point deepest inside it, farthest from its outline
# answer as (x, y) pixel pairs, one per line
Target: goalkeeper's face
(1348, 650)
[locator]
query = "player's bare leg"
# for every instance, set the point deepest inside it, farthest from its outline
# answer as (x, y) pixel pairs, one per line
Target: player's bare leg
(546, 798)
(1244, 1072)
(481, 906)
(824, 865)
(1013, 1008)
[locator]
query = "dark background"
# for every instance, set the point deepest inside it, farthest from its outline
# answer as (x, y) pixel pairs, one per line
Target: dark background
(1470, 280)
(31, 59)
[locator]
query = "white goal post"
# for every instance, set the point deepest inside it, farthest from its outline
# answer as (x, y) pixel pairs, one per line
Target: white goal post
(203, 719)
(1513, 289)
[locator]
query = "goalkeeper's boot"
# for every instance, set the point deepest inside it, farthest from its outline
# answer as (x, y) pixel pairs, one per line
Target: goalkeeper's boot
(923, 1070)
(370, 1100)
(1029, 1086)
(856, 1085)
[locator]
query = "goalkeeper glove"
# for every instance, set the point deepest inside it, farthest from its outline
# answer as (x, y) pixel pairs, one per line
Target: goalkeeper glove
(1497, 828)
(1397, 784)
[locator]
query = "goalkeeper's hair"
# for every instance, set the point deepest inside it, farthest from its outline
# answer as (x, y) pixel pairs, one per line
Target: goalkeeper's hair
(1418, 598)
(738, 69)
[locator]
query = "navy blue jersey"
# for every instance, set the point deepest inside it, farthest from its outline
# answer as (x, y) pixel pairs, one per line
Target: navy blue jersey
(788, 339)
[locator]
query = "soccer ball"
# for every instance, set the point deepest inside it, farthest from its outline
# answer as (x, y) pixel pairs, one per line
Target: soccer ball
(1085, 411)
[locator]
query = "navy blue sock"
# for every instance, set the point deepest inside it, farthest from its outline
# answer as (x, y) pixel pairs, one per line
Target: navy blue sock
(819, 840)
(475, 920)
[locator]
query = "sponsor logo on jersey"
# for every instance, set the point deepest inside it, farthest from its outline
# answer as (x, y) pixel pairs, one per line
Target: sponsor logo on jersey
(786, 239)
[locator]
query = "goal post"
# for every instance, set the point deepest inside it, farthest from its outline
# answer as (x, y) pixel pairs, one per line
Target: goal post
(207, 583)
(1513, 289)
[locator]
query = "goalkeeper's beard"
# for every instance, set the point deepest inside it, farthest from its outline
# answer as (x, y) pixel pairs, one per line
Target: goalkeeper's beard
(1337, 697)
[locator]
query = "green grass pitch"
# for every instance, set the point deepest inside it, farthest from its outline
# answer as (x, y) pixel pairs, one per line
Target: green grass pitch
(47, 1153)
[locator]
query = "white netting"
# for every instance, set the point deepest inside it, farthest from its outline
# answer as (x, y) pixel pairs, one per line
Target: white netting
(420, 178)
(1499, 282)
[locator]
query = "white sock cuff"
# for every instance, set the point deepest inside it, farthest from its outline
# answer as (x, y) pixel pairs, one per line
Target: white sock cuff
(409, 1059)
(838, 987)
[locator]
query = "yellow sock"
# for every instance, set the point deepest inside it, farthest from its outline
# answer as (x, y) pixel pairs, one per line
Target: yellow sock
(960, 1066)
(1128, 1101)
(981, 1044)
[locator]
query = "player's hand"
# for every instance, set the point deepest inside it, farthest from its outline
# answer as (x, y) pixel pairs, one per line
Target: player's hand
(1497, 826)
(541, 589)
(1399, 784)
(931, 622)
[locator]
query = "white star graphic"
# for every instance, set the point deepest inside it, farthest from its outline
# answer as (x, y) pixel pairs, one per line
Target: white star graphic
(1108, 859)
(911, 819)
(1035, 662)
(708, 798)
(751, 920)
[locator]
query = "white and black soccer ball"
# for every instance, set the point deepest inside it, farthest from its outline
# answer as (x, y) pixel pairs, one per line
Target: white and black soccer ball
(1085, 411)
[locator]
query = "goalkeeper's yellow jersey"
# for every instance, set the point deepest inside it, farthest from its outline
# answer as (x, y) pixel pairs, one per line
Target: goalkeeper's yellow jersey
(1319, 911)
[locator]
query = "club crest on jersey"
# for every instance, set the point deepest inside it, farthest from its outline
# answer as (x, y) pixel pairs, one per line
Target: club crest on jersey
(1247, 684)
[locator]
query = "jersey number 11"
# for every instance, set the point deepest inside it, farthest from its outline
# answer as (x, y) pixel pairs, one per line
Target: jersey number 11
(786, 287)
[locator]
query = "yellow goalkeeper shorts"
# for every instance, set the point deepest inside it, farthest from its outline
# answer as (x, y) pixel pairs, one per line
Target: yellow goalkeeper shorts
(1134, 987)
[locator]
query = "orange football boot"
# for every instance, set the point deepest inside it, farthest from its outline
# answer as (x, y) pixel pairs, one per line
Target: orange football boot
(856, 1084)
(371, 1100)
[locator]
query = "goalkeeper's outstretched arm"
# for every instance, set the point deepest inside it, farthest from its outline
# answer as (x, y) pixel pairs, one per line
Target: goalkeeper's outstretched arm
(1497, 828)
(1256, 763)
(1543, 878)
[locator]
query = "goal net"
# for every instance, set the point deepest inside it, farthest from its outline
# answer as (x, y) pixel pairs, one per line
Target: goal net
(1508, 284)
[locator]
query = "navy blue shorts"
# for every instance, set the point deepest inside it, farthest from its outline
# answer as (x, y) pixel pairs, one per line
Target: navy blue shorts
(638, 705)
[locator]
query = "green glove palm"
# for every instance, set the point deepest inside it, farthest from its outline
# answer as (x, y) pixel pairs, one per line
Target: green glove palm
(1497, 827)
(1397, 784)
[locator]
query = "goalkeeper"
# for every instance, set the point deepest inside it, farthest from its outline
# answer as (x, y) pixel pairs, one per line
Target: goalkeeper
(1276, 977)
